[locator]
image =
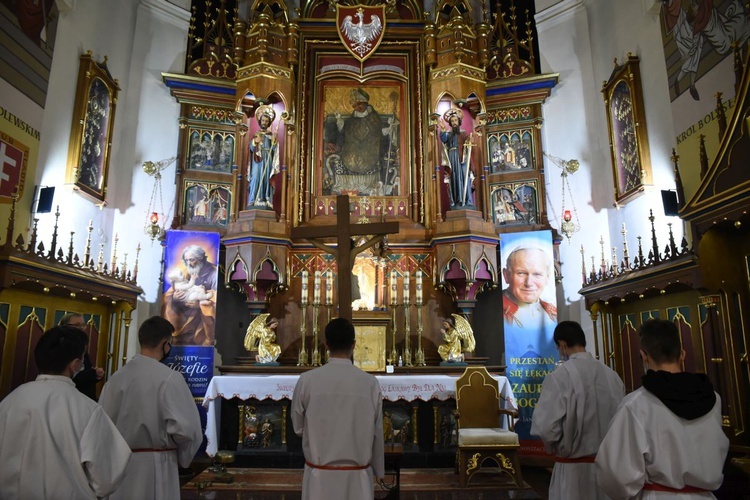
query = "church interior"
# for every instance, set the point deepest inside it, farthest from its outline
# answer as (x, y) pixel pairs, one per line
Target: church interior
(378, 161)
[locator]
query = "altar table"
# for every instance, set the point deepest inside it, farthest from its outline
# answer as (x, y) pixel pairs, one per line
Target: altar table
(278, 387)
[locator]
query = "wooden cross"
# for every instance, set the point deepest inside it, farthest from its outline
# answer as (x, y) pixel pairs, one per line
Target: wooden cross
(345, 250)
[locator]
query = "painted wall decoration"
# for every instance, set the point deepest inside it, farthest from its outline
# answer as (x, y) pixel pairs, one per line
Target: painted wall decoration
(14, 158)
(698, 36)
(530, 317)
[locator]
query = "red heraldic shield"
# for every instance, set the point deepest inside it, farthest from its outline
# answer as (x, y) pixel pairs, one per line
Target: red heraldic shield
(360, 28)
(12, 167)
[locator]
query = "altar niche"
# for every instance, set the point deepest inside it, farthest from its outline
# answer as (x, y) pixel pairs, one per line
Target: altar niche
(345, 250)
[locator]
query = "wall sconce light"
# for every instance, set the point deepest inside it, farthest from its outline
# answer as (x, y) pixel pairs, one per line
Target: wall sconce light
(570, 223)
(152, 227)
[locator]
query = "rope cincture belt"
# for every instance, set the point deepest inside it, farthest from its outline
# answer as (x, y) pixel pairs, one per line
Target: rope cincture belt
(151, 450)
(684, 489)
(588, 459)
(336, 467)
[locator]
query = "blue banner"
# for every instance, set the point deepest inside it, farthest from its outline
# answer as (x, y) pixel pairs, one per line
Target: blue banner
(529, 319)
(195, 363)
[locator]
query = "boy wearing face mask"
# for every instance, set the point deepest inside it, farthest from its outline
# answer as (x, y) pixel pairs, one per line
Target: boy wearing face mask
(666, 440)
(53, 439)
(152, 407)
(572, 415)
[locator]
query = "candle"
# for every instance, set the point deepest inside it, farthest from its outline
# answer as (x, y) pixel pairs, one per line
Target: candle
(316, 288)
(406, 288)
(567, 216)
(394, 292)
(329, 287)
(305, 294)
(418, 280)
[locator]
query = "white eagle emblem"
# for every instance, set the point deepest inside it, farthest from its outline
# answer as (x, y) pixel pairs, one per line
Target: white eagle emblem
(360, 34)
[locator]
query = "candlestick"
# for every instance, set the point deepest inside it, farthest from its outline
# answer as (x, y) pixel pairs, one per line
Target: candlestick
(316, 288)
(305, 294)
(394, 305)
(419, 355)
(329, 288)
(394, 291)
(406, 288)
(315, 355)
(418, 281)
(302, 358)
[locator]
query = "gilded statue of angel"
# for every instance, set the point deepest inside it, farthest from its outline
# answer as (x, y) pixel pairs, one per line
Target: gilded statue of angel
(260, 336)
(459, 337)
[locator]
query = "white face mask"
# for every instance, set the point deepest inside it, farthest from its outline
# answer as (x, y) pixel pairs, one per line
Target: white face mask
(80, 369)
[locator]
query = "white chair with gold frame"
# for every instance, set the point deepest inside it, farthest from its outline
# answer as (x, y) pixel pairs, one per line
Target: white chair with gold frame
(481, 435)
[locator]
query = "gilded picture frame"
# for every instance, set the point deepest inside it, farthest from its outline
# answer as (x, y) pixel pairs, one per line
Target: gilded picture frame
(628, 137)
(369, 351)
(91, 130)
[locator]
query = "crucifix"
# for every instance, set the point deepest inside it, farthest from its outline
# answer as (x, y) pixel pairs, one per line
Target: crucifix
(346, 250)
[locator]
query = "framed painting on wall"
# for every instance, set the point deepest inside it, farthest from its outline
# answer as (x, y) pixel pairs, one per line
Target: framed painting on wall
(91, 130)
(628, 139)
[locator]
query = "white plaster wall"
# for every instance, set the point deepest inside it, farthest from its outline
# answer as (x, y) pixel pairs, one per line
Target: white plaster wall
(21, 106)
(141, 39)
(579, 40)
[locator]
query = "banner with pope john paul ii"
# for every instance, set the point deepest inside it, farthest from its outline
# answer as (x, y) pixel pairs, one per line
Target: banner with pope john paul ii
(529, 320)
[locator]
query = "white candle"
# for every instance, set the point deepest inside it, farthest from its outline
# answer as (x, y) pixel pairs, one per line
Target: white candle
(406, 288)
(316, 288)
(305, 295)
(418, 280)
(394, 291)
(329, 287)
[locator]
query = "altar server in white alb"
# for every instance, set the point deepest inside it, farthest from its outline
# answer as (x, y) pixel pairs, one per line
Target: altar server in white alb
(54, 441)
(666, 439)
(152, 407)
(572, 415)
(337, 409)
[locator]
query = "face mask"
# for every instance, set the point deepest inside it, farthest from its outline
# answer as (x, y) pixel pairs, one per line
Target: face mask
(80, 369)
(165, 353)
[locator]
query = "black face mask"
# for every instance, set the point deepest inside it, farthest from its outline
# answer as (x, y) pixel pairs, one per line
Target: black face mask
(164, 353)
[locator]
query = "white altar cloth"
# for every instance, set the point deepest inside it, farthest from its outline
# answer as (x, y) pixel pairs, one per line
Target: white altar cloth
(278, 387)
